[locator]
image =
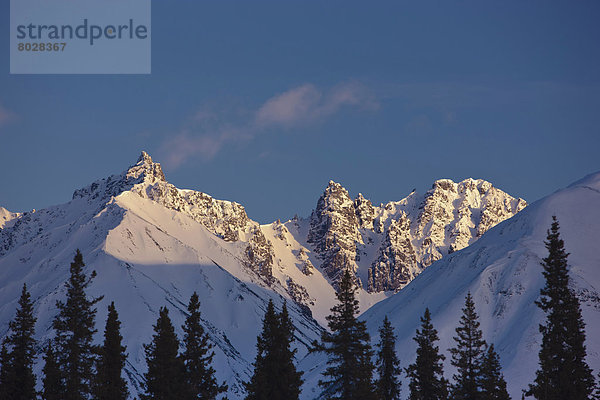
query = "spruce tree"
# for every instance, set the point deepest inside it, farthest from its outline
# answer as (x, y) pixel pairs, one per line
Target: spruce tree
(5, 382)
(18, 367)
(493, 385)
(349, 374)
(563, 372)
(289, 379)
(388, 365)
(275, 375)
(259, 388)
(165, 379)
(53, 385)
(467, 356)
(426, 375)
(108, 383)
(197, 357)
(75, 328)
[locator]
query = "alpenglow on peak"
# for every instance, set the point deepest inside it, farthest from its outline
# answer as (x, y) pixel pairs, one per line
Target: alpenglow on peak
(143, 171)
(149, 169)
(395, 241)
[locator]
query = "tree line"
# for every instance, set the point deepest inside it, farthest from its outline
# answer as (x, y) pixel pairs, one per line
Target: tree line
(351, 374)
(76, 369)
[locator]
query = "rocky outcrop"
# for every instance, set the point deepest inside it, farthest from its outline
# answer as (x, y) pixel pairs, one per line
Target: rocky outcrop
(280, 230)
(259, 256)
(225, 219)
(334, 232)
(306, 266)
(7, 218)
(400, 239)
(397, 263)
(449, 217)
(365, 212)
(300, 296)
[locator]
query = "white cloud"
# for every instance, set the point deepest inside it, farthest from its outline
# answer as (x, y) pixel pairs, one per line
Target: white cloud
(350, 94)
(209, 132)
(183, 146)
(306, 103)
(296, 105)
(188, 144)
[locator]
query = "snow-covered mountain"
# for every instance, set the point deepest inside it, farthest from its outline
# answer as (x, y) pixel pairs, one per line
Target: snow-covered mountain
(387, 246)
(502, 271)
(153, 244)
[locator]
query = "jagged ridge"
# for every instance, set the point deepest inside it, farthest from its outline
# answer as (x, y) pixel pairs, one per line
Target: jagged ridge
(410, 234)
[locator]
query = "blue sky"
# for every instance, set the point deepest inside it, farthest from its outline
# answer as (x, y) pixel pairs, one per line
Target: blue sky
(263, 102)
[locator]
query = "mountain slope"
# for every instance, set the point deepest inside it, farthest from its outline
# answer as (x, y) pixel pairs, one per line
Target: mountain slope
(146, 255)
(502, 271)
(154, 244)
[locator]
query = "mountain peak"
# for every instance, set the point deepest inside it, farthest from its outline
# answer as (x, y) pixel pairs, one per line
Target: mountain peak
(334, 231)
(7, 218)
(360, 198)
(335, 196)
(444, 184)
(334, 185)
(143, 171)
(147, 169)
(145, 158)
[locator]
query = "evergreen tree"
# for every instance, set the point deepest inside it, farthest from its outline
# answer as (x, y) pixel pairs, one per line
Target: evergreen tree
(289, 378)
(258, 388)
(75, 328)
(18, 367)
(493, 385)
(54, 388)
(349, 374)
(467, 356)
(275, 376)
(388, 365)
(5, 382)
(165, 379)
(563, 372)
(197, 357)
(426, 375)
(109, 385)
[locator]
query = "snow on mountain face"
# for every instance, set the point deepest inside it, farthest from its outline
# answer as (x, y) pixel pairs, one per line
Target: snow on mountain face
(503, 273)
(391, 244)
(154, 244)
(146, 178)
(227, 220)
